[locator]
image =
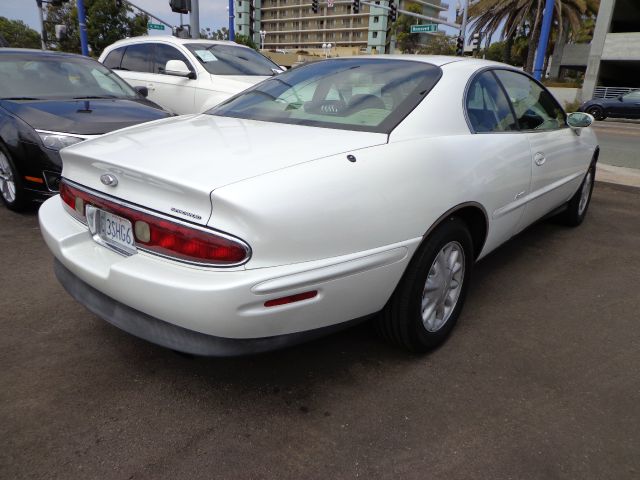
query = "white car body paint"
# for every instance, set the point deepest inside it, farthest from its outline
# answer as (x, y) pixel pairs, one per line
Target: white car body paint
(313, 219)
(182, 95)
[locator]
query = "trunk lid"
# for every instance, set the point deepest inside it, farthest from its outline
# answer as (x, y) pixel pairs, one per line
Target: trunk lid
(172, 165)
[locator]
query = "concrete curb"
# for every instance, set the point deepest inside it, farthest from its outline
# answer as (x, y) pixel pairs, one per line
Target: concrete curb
(618, 175)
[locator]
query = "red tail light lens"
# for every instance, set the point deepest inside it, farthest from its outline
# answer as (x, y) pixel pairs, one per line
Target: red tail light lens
(161, 235)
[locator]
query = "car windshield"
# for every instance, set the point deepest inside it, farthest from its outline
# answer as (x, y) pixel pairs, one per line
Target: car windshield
(353, 94)
(58, 77)
(221, 59)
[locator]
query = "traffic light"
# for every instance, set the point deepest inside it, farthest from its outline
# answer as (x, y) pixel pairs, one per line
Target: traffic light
(460, 46)
(393, 13)
(314, 6)
(180, 6)
(475, 41)
(356, 6)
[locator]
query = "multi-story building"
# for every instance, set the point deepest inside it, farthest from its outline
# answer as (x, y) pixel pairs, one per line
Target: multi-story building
(614, 57)
(292, 25)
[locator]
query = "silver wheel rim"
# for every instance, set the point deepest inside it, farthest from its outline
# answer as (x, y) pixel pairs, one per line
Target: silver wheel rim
(443, 286)
(7, 184)
(585, 193)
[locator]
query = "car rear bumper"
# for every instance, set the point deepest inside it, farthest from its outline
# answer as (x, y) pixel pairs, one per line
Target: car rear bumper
(225, 303)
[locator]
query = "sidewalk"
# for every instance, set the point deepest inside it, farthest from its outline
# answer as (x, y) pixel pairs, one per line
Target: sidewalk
(618, 175)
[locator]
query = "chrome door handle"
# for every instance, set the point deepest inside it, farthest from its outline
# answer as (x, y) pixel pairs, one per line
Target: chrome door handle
(539, 158)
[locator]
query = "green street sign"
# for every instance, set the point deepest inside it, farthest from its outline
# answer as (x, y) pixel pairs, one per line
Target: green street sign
(429, 27)
(155, 26)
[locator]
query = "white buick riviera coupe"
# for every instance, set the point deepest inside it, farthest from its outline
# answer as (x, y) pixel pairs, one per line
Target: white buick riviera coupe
(324, 195)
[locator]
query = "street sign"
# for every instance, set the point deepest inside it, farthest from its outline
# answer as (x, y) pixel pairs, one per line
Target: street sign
(429, 27)
(155, 26)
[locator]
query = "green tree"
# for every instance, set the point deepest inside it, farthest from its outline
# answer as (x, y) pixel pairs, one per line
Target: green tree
(18, 34)
(245, 40)
(524, 17)
(106, 23)
(407, 42)
(220, 34)
(439, 45)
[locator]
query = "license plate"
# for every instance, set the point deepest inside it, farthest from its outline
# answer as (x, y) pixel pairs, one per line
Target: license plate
(113, 231)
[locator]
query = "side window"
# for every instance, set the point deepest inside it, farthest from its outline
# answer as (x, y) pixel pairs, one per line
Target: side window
(633, 96)
(114, 59)
(164, 53)
(487, 107)
(137, 58)
(535, 108)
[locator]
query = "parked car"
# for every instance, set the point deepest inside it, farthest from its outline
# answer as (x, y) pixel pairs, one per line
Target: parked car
(623, 106)
(187, 76)
(328, 193)
(49, 101)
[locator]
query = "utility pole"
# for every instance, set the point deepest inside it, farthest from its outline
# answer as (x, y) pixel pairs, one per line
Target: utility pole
(194, 17)
(544, 39)
(44, 34)
(232, 30)
(82, 22)
(463, 26)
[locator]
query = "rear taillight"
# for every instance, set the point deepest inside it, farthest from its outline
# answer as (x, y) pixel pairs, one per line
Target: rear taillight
(162, 235)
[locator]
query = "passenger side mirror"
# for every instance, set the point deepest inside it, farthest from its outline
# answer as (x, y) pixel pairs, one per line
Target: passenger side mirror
(177, 68)
(579, 120)
(621, 98)
(144, 91)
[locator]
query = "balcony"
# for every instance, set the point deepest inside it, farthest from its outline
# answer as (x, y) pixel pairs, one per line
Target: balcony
(622, 47)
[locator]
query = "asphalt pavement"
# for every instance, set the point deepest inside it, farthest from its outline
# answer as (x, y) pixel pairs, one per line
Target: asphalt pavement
(619, 140)
(540, 380)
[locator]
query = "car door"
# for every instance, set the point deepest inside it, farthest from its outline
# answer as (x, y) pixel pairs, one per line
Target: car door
(173, 92)
(136, 67)
(629, 105)
(558, 156)
(509, 155)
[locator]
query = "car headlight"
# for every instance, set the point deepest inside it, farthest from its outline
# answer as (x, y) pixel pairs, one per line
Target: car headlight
(57, 141)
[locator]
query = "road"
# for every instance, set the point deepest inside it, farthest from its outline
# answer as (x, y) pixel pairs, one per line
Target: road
(619, 142)
(539, 381)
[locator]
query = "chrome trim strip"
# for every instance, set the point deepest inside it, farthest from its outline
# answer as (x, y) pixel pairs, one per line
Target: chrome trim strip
(67, 134)
(176, 220)
(533, 195)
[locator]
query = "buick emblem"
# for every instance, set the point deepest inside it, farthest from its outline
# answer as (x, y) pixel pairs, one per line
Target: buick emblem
(109, 180)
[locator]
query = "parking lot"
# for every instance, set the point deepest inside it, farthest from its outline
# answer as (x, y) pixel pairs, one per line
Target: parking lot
(539, 380)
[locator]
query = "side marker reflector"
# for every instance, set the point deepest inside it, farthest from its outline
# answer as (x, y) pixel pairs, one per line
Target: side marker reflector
(291, 299)
(34, 179)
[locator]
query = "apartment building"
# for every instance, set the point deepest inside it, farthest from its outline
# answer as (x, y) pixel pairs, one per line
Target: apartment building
(292, 25)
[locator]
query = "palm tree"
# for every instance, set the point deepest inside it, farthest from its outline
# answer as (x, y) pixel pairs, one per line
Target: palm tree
(490, 15)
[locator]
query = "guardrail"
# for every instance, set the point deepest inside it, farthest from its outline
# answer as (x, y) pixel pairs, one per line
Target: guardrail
(611, 92)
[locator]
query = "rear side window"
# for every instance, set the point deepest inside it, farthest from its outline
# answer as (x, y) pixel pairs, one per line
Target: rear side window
(164, 53)
(487, 107)
(138, 58)
(535, 108)
(114, 59)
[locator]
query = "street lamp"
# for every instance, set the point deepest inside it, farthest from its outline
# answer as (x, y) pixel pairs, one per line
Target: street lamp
(263, 34)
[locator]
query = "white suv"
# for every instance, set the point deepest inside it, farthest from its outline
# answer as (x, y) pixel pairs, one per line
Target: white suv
(187, 76)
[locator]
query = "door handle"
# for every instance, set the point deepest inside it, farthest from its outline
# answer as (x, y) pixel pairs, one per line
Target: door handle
(539, 158)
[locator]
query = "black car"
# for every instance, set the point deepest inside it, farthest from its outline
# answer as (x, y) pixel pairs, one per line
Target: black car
(623, 106)
(49, 101)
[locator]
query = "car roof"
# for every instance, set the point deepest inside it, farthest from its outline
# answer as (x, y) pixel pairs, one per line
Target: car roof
(437, 60)
(39, 53)
(172, 39)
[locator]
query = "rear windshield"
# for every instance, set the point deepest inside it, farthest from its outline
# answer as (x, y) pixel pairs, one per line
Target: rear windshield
(221, 59)
(351, 94)
(36, 77)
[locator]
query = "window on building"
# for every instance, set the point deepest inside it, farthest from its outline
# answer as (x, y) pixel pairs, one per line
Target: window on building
(376, 19)
(375, 34)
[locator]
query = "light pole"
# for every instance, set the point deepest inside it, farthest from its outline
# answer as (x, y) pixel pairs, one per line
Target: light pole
(232, 29)
(263, 35)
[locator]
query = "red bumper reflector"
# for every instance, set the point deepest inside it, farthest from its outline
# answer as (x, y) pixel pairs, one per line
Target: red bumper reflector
(291, 299)
(34, 179)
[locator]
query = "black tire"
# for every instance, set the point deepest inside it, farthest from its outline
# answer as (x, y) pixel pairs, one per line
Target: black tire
(19, 201)
(596, 112)
(401, 322)
(576, 210)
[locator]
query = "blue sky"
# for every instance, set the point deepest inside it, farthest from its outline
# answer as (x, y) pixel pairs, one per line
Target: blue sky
(213, 13)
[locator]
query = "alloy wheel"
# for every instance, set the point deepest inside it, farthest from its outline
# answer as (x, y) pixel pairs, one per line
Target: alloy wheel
(7, 183)
(585, 192)
(443, 286)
